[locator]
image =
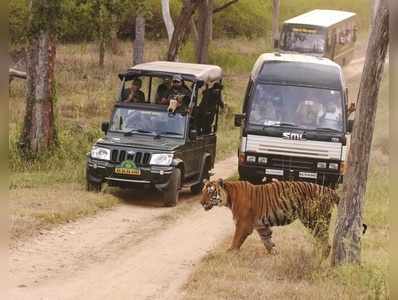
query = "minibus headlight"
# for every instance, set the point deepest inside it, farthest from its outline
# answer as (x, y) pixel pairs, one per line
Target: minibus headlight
(334, 166)
(321, 165)
(262, 160)
(251, 159)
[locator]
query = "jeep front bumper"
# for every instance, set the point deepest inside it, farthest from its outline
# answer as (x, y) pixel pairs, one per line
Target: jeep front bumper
(98, 171)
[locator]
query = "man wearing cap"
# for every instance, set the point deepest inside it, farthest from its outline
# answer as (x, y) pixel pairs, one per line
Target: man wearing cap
(180, 91)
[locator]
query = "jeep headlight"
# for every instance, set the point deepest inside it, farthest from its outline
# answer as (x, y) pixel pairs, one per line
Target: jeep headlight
(100, 153)
(161, 159)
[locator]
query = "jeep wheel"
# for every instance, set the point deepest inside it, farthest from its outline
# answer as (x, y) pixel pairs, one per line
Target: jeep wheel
(170, 195)
(93, 186)
(197, 188)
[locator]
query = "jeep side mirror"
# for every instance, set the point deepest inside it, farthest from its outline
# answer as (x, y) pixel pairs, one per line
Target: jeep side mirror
(193, 134)
(350, 125)
(239, 119)
(105, 127)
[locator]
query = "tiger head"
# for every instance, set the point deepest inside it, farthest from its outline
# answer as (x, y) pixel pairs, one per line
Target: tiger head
(214, 194)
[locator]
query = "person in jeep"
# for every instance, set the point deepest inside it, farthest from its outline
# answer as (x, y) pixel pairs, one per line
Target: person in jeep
(135, 94)
(163, 91)
(178, 89)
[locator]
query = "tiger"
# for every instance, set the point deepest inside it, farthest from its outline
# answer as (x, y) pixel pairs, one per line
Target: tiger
(277, 203)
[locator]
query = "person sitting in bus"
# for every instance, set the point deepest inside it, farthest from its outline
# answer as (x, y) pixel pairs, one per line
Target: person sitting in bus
(308, 112)
(331, 118)
(264, 112)
(135, 94)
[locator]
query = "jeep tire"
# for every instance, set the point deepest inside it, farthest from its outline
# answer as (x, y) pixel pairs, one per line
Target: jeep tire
(93, 186)
(170, 194)
(197, 188)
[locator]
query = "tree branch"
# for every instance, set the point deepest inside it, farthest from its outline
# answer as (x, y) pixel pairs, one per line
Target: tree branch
(224, 6)
(12, 73)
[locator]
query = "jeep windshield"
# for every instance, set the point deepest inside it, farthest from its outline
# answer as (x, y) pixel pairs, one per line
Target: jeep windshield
(131, 121)
(295, 106)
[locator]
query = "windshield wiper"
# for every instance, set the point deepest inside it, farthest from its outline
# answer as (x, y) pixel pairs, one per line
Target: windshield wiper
(158, 134)
(327, 129)
(284, 124)
(132, 131)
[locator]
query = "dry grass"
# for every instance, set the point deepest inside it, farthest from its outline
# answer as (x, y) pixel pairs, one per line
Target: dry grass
(294, 273)
(33, 210)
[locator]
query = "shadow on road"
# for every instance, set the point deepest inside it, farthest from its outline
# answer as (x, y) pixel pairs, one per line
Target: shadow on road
(145, 197)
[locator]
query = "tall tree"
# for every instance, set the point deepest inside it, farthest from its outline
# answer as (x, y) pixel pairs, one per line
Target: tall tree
(275, 22)
(139, 40)
(182, 24)
(115, 47)
(168, 21)
(101, 34)
(204, 31)
(39, 131)
(142, 11)
(347, 237)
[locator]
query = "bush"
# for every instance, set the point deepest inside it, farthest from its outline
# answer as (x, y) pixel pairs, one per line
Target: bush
(246, 18)
(66, 163)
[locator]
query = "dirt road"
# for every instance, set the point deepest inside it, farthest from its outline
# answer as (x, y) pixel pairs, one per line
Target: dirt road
(130, 252)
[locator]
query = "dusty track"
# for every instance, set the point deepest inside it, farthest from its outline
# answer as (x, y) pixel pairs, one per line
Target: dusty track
(135, 251)
(131, 252)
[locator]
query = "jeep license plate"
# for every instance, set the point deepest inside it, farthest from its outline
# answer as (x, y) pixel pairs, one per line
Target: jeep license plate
(125, 171)
(308, 175)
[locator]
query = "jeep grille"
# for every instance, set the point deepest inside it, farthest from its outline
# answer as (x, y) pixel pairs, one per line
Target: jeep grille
(139, 158)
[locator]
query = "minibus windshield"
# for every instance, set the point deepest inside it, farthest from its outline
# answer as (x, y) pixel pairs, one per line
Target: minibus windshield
(303, 40)
(295, 106)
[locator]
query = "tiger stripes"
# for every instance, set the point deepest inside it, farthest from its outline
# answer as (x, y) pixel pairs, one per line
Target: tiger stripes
(260, 207)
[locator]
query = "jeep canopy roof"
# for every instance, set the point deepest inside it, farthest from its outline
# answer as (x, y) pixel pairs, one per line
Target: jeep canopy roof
(297, 69)
(193, 72)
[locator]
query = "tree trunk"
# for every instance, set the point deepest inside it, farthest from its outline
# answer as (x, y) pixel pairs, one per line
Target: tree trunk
(275, 23)
(138, 47)
(182, 24)
(115, 46)
(101, 53)
(168, 21)
(205, 19)
(347, 238)
(210, 18)
(195, 33)
(101, 37)
(39, 132)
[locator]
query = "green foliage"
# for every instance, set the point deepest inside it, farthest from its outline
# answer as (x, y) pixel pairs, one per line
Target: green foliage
(65, 164)
(78, 19)
(45, 15)
(17, 25)
(245, 18)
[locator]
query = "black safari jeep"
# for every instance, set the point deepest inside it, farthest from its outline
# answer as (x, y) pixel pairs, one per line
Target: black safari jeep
(147, 142)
